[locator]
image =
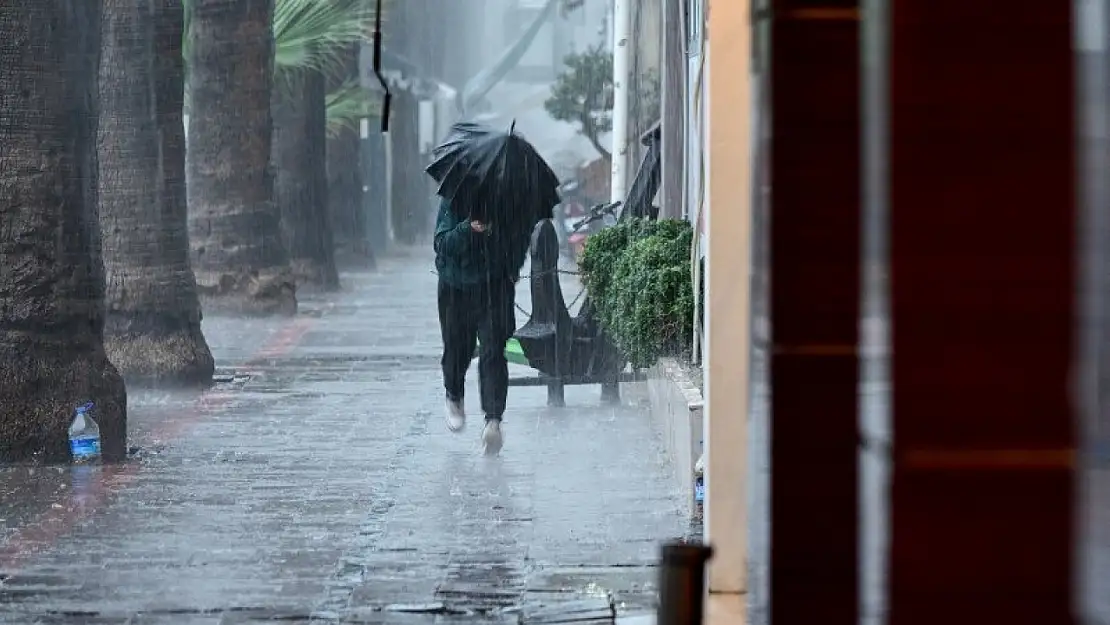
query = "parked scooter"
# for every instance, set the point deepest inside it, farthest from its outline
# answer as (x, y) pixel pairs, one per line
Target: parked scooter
(566, 214)
(599, 217)
(569, 213)
(574, 223)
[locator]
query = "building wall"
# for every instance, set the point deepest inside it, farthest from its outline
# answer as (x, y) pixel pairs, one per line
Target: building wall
(647, 54)
(727, 133)
(673, 109)
(695, 112)
(539, 62)
(586, 27)
(463, 53)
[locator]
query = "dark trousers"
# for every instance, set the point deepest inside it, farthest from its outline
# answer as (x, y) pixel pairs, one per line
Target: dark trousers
(482, 314)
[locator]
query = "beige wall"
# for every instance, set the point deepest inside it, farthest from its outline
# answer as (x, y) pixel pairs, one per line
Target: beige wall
(728, 306)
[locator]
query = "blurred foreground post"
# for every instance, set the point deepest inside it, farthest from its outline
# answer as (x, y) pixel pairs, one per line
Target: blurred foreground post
(682, 583)
(980, 179)
(728, 230)
(814, 240)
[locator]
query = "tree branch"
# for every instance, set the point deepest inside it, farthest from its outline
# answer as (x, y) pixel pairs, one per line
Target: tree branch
(589, 128)
(591, 134)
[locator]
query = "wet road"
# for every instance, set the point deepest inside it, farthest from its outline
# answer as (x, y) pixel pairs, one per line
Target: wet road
(325, 487)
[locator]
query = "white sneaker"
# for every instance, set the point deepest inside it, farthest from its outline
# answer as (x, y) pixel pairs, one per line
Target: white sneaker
(492, 439)
(455, 413)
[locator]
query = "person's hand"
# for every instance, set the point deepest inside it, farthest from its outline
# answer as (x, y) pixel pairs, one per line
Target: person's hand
(478, 226)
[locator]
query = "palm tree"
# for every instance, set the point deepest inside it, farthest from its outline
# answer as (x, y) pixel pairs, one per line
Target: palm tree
(311, 36)
(52, 355)
(322, 37)
(307, 38)
(240, 260)
(152, 331)
(301, 187)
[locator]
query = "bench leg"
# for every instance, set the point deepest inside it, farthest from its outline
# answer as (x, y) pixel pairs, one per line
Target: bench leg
(555, 395)
(610, 392)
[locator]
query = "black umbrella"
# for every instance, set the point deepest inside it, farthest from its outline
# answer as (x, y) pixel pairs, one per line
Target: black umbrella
(498, 175)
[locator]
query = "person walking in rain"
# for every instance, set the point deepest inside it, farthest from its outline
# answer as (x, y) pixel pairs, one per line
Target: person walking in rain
(495, 188)
(479, 264)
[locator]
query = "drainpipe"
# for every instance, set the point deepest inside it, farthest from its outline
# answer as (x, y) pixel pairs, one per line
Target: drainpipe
(622, 66)
(682, 584)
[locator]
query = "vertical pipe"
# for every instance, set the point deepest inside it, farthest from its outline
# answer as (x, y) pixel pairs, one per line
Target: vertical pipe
(813, 360)
(983, 243)
(622, 57)
(682, 584)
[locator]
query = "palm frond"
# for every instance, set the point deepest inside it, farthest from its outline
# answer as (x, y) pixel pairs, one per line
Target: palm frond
(347, 105)
(311, 34)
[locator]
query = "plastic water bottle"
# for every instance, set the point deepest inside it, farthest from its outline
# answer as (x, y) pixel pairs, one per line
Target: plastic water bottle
(84, 435)
(699, 480)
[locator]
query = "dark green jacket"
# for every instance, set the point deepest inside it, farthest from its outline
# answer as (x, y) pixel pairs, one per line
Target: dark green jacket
(465, 258)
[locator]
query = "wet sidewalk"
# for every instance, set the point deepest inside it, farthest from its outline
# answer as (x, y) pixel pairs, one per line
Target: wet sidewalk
(320, 484)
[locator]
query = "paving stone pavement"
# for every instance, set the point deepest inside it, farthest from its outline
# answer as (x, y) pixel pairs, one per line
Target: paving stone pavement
(326, 488)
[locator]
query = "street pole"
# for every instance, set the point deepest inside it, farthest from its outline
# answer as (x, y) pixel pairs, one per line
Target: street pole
(622, 65)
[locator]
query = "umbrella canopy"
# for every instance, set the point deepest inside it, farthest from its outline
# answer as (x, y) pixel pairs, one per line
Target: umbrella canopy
(497, 175)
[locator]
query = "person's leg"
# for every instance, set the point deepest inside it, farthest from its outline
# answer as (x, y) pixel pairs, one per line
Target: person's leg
(497, 327)
(458, 324)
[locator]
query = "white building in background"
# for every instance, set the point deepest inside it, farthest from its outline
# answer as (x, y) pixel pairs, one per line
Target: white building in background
(491, 26)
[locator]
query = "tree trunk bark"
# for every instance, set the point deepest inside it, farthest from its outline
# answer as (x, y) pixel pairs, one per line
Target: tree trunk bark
(345, 180)
(240, 261)
(301, 187)
(52, 355)
(152, 331)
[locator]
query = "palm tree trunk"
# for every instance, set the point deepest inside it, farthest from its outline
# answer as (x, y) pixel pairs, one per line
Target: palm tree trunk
(345, 177)
(152, 331)
(52, 355)
(301, 188)
(240, 261)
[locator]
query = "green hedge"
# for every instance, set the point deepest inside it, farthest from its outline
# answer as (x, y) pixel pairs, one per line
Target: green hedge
(637, 274)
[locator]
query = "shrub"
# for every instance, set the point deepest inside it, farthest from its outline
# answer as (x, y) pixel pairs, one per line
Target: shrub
(637, 274)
